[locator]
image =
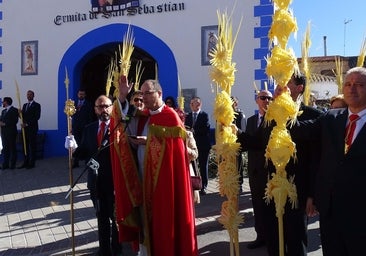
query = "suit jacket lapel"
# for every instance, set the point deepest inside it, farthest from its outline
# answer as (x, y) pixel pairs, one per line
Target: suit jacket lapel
(340, 132)
(252, 124)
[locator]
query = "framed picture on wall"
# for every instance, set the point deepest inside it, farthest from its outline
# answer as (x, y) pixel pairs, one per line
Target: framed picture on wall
(29, 53)
(188, 94)
(208, 42)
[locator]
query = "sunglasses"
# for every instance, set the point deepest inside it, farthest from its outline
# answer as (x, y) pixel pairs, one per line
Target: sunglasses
(265, 98)
(137, 99)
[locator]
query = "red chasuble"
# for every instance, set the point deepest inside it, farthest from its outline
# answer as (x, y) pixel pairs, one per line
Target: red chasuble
(169, 222)
(127, 185)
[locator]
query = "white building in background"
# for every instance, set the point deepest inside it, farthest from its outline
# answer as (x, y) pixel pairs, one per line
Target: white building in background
(323, 87)
(40, 39)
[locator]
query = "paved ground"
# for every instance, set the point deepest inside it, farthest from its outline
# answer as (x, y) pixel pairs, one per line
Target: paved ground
(35, 216)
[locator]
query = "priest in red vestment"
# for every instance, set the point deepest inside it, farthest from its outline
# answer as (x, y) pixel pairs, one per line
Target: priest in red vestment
(168, 211)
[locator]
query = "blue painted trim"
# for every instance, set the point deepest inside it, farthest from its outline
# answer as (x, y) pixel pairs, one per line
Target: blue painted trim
(260, 32)
(264, 42)
(263, 64)
(82, 50)
(266, 21)
(259, 74)
(260, 53)
(264, 2)
(264, 11)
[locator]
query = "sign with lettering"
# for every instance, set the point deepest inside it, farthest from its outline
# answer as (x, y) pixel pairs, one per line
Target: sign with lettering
(113, 5)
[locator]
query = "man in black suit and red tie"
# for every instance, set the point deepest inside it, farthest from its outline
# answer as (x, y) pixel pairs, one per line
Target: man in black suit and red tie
(341, 172)
(95, 144)
(31, 112)
(8, 123)
(198, 122)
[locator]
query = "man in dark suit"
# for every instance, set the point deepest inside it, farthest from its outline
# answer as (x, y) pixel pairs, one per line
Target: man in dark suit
(100, 181)
(82, 117)
(8, 123)
(256, 169)
(198, 121)
(341, 175)
(31, 112)
(294, 220)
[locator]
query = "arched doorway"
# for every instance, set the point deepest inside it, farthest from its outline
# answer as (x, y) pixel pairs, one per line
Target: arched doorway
(82, 53)
(94, 72)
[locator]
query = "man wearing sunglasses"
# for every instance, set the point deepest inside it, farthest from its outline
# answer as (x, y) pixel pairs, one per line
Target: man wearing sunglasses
(256, 172)
(137, 100)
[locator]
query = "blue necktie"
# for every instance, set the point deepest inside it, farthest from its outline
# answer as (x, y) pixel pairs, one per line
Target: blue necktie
(194, 118)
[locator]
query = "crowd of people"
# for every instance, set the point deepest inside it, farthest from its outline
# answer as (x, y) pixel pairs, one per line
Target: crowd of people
(327, 172)
(29, 115)
(145, 149)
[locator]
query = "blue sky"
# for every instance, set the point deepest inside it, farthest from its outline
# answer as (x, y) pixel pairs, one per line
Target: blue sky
(327, 19)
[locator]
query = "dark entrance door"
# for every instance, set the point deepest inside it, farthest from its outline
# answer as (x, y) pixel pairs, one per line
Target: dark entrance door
(94, 73)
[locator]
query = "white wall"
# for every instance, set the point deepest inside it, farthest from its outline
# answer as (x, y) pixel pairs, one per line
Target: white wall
(324, 90)
(181, 31)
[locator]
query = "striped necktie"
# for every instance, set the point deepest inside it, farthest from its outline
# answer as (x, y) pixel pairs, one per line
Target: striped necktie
(350, 130)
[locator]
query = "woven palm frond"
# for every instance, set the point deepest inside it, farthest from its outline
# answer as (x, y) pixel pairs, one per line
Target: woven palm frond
(361, 57)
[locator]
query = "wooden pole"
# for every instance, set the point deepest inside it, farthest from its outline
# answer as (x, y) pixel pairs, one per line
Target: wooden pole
(21, 117)
(69, 111)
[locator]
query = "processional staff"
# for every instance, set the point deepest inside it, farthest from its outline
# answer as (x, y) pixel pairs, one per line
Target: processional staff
(70, 111)
(21, 117)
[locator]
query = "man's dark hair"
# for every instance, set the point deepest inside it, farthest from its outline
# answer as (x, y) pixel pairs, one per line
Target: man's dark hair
(300, 79)
(174, 104)
(8, 100)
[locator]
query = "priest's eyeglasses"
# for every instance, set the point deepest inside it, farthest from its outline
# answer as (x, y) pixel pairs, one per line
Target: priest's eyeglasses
(105, 106)
(145, 93)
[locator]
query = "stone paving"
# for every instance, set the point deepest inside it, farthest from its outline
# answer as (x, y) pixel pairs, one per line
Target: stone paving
(35, 217)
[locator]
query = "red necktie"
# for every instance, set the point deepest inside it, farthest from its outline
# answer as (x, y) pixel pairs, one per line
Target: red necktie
(350, 130)
(101, 133)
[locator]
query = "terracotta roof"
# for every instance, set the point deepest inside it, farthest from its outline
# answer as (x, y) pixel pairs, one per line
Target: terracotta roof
(316, 78)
